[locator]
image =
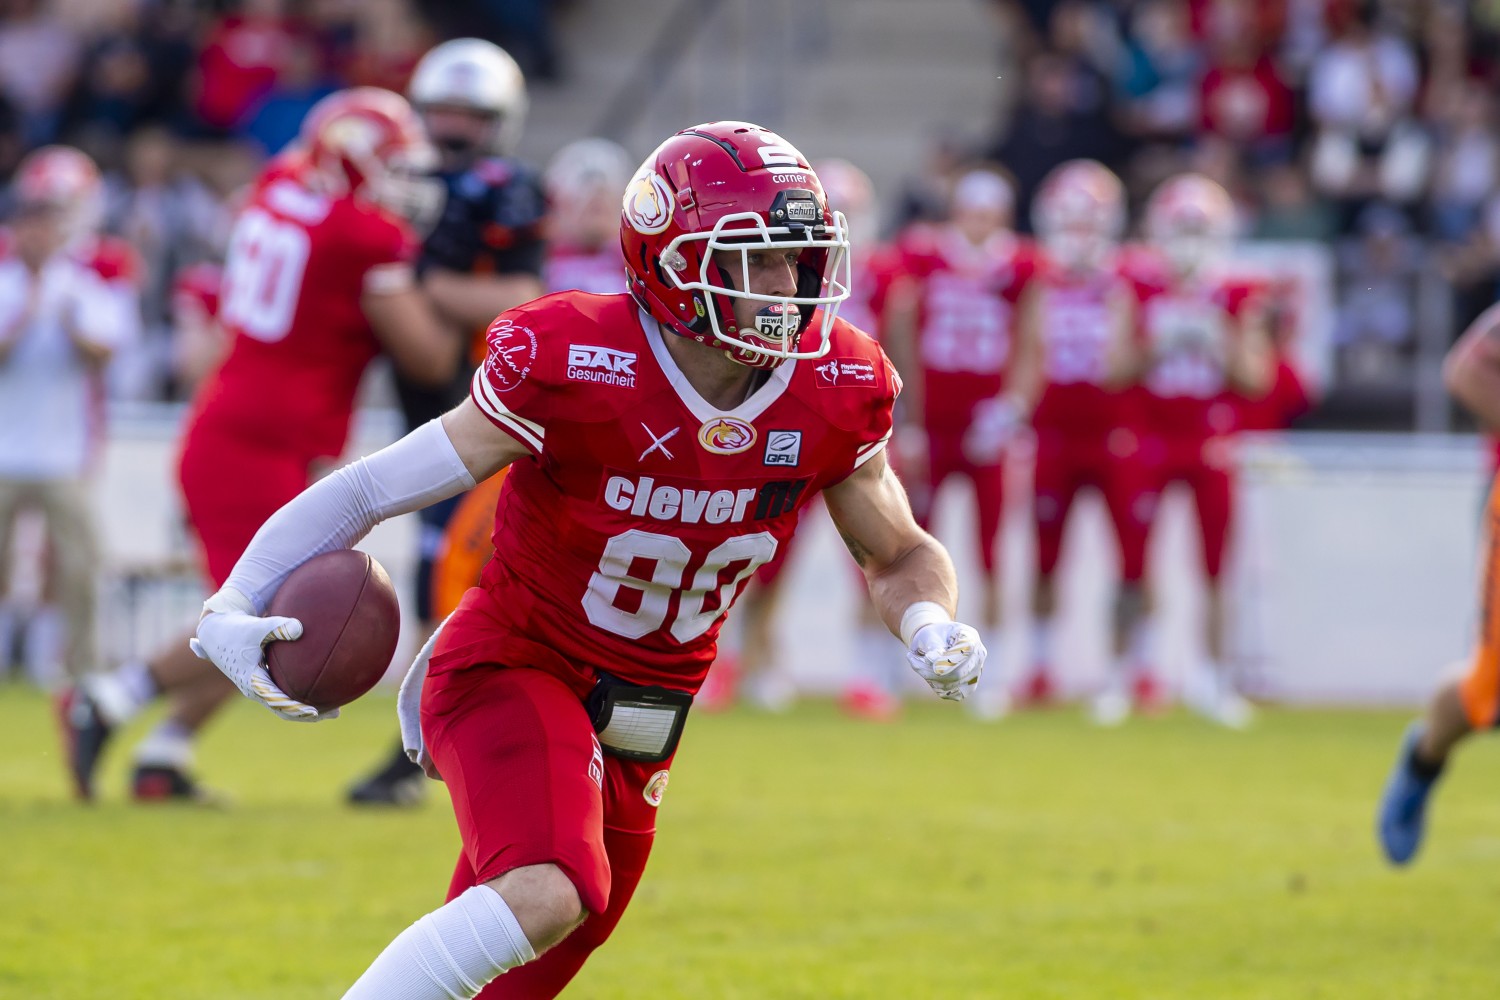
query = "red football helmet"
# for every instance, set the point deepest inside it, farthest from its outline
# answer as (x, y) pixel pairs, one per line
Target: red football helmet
(1191, 218)
(735, 187)
(1079, 214)
(369, 142)
(64, 180)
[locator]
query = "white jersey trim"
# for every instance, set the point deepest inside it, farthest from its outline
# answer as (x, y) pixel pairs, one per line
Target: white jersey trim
(528, 432)
(760, 400)
(869, 451)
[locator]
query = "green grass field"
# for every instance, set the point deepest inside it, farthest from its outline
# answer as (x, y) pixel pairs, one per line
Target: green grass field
(803, 856)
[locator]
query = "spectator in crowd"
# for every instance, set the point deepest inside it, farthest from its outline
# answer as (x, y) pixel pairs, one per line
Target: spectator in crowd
(301, 83)
(1158, 76)
(239, 62)
(38, 59)
(1376, 317)
(171, 219)
(1466, 164)
(1243, 96)
(1362, 95)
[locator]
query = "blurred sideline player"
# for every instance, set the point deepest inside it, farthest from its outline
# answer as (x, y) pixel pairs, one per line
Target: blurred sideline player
(484, 255)
(584, 183)
(752, 672)
(69, 299)
(950, 322)
(552, 700)
(318, 281)
(1082, 311)
(1469, 702)
(1202, 342)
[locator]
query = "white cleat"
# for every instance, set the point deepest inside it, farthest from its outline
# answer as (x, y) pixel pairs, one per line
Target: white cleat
(988, 706)
(1211, 696)
(771, 691)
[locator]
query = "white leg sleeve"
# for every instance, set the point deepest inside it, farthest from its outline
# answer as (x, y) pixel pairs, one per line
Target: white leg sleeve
(337, 511)
(450, 954)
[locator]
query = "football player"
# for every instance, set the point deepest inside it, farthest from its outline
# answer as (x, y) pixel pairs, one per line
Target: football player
(69, 300)
(640, 499)
(318, 280)
(1203, 343)
(1080, 311)
(950, 328)
(483, 255)
(1468, 702)
(584, 182)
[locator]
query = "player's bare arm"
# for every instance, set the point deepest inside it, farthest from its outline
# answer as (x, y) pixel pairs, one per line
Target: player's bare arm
(472, 300)
(1471, 370)
(902, 563)
(1125, 361)
(911, 578)
(899, 338)
(1251, 365)
(422, 345)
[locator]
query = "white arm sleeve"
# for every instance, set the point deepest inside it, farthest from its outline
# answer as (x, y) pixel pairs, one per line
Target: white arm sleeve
(337, 511)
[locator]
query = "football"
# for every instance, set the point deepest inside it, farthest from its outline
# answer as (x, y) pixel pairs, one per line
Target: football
(350, 622)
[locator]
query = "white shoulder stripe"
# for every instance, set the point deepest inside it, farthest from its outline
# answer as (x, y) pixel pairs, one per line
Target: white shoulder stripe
(528, 432)
(869, 451)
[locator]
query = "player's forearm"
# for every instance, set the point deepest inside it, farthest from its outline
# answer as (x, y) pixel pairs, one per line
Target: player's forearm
(474, 300)
(922, 573)
(338, 510)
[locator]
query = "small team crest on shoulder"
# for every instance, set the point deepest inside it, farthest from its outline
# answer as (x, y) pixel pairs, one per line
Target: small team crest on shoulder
(655, 789)
(726, 435)
(648, 203)
(512, 352)
(783, 447)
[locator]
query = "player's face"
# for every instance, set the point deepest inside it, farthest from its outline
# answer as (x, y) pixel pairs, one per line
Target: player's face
(979, 223)
(460, 133)
(38, 231)
(761, 272)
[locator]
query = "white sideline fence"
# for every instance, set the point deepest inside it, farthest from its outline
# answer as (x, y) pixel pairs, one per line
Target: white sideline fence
(1354, 567)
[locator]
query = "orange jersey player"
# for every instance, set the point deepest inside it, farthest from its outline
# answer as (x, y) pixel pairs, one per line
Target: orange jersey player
(1469, 702)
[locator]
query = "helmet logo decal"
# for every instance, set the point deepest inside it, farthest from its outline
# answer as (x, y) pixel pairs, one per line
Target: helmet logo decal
(726, 435)
(648, 203)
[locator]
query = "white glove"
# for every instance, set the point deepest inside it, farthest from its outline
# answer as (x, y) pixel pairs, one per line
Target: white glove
(993, 424)
(948, 655)
(234, 639)
(409, 707)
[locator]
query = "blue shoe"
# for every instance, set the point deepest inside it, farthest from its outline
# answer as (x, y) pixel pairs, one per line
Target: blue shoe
(1403, 804)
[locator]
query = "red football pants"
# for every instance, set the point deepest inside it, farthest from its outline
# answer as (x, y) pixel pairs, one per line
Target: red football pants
(1065, 463)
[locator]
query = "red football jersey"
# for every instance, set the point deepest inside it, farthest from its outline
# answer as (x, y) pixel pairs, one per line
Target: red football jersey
(1076, 328)
(623, 541)
(966, 318)
(297, 265)
(1188, 330)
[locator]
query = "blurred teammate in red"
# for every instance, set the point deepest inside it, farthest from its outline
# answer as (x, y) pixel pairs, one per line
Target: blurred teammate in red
(318, 281)
(584, 182)
(1081, 311)
(1202, 339)
(643, 492)
(950, 321)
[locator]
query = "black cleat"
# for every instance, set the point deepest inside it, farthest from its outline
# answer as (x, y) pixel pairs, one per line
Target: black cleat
(398, 783)
(164, 783)
(85, 735)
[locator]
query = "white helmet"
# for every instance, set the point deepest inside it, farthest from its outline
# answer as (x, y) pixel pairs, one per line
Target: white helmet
(587, 165)
(473, 73)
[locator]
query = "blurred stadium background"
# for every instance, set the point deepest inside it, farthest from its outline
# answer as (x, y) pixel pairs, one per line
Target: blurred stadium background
(1361, 145)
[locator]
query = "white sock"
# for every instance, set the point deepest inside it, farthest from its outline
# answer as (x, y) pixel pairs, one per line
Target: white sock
(122, 693)
(450, 954)
(170, 744)
(1041, 642)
